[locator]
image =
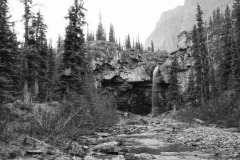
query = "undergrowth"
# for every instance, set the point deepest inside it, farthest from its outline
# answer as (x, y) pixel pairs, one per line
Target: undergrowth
(223, 111)
(78, 116)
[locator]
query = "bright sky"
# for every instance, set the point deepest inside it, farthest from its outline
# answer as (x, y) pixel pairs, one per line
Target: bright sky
(136, 17)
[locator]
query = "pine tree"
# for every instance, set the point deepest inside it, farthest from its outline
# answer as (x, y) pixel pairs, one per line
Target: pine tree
(236, 45)
(73, 61)
(202, 61)
(210, 21)
(133, 44)
(8, 56)
(174, 88)
(128, 42)
(38, 55)
(225, 66)
(51, 71)
(216, 47)
(152, 46)
(111, 34)
(119, 44)
(26, 50)
(100, 35)
(190, 94)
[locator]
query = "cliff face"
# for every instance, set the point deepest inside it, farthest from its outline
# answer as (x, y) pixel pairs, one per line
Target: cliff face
(128, 75)
(182, 18)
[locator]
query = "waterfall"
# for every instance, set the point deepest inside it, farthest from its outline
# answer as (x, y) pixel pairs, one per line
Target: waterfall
(155, 99)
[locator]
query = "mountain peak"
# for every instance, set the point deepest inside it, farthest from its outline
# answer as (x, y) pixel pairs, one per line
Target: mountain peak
(181, 18)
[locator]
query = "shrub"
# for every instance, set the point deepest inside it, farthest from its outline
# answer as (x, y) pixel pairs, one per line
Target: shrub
(223, 110)
(83, 114)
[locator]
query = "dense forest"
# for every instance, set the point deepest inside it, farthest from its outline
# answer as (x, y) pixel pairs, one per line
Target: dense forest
(213, 88)
(33, 71)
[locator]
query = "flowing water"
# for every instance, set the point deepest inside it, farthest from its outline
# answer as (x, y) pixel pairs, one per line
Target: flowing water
(155, 102)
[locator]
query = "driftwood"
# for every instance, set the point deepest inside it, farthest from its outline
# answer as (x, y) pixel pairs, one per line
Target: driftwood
(38, 146)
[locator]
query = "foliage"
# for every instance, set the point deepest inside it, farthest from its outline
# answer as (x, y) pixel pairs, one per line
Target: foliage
(101, 34)
(152, 46)
(79, 115)
(128, 42)
(72, 65)
(9, 58)
(174, 96)
(222, 110)
(111, 34)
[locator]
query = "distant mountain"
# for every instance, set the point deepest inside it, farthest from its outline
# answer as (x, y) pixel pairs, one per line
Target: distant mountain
(181, 18)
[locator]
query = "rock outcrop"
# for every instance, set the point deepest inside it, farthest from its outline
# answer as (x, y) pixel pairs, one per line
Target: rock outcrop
(128, 74)
(124, 74)
(181, 18)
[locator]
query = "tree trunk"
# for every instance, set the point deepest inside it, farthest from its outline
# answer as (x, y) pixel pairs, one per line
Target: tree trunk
(26, 16)
(26, 92)
(65, 94)
(36, 87)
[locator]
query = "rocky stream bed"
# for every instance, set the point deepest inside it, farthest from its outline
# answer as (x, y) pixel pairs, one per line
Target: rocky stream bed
(136, 138)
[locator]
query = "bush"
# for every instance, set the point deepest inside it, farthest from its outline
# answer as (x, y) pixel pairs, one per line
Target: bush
(223, 110)
(83, 114)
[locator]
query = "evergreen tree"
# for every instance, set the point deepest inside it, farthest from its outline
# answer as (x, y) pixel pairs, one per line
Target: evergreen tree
(128, 42)
(100, 35)
(90, 37)
(210, 21)
(111, 34)
(26, 50)
(8, 56)
(73, 61)
(51, 71)
(152, 46)
(190, 94)
(38, 55)
(216, 44)
(119, 44)
(174, 88)
(225, 66)
(235, 48)
(133, 44)
(202, 68)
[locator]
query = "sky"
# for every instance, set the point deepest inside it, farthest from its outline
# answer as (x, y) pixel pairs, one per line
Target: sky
(137, 18)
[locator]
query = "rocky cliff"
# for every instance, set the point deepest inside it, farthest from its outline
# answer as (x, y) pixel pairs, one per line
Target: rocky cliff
(124, 74)
(181, 18)
(128, 74)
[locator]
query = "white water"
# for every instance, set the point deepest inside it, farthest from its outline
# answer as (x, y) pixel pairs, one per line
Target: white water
(155, 103)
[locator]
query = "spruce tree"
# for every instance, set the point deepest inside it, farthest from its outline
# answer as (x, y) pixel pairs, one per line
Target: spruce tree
(152, 46)
(197, 65)
(128, 42)
(51, 71)
(190, 94)
(8, 56)
(236, 45)
(100, 35)
(38, 55)
(111, 34)
(203, 67)
(225, 66)
(26, 50)
(73, 61)
(174, 87)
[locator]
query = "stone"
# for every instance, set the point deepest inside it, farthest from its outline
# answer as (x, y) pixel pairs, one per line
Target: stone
(119, 157)
(76, 158)
(38, 146)
(63, 158)
(89, 158)
(75, 149)
(108, 146)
